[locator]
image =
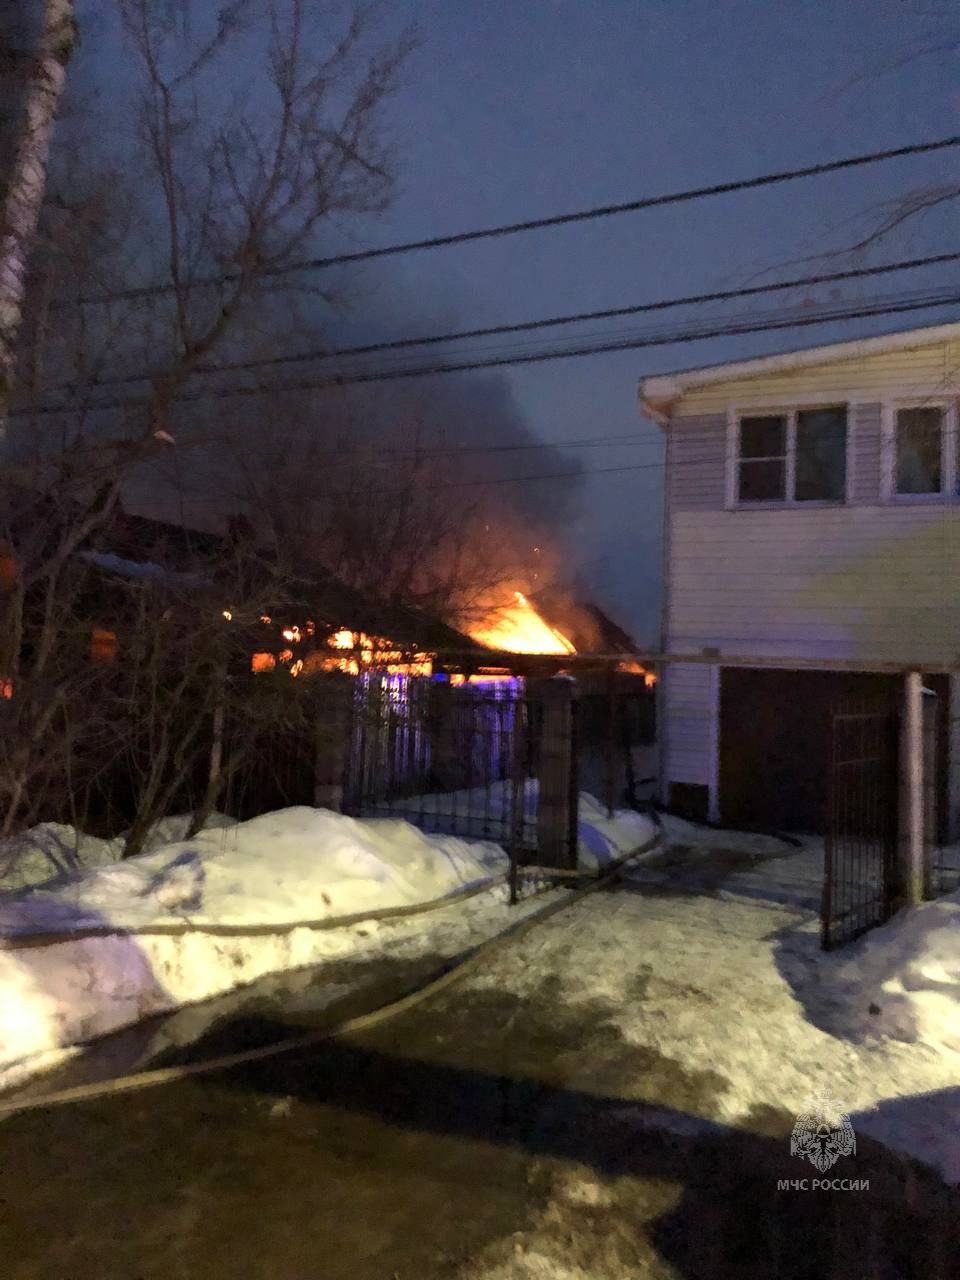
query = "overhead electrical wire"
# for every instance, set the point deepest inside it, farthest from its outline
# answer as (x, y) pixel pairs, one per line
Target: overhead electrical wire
(771, 322)
(538, 224)
(582, 317)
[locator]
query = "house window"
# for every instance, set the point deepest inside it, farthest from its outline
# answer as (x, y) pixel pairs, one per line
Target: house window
(794, 457)
(821, 448)
(919, 450)
(763, 459)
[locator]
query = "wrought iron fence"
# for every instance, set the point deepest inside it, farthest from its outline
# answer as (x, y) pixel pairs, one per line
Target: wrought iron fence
(862, 823)
(481, 761)
(944, 864)
(941, 852)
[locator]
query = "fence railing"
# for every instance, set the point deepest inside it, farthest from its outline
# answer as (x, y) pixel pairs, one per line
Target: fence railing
(488, 762)
(499, 759)
(862, 823)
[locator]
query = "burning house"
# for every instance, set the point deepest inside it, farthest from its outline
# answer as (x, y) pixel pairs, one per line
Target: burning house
(268, 685)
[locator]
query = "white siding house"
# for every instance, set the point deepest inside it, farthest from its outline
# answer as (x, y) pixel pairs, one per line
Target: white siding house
(811, 512)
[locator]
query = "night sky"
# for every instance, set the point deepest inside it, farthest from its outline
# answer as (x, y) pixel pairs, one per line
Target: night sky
(522, 108)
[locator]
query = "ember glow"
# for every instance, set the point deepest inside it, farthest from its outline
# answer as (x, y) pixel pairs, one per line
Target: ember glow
(518, 628)
(103, 645)
(373, 652)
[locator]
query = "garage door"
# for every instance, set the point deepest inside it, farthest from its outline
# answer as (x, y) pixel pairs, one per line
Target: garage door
(775, 742)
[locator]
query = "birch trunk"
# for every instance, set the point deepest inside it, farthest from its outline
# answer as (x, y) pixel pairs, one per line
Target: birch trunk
(21, 209)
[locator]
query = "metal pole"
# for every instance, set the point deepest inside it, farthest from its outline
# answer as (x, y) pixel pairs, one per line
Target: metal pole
(912, 765)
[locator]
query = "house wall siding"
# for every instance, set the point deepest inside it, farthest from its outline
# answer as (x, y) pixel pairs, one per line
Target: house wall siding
(865, 424)
(869, 583)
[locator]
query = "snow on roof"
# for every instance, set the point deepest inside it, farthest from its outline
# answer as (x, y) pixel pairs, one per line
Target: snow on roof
(663, 388)
(141, 569)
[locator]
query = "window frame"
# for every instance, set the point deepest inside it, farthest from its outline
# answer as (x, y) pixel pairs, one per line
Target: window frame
(737, 413)
(949, 469)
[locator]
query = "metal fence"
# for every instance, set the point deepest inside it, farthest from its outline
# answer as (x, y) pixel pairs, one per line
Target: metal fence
(944, 869)
(941, 852)
(862, 823)
(483, 761)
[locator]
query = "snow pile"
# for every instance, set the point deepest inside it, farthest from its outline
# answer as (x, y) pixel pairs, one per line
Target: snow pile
(295, 865)
(604, 839)
(904, 977)
(54, 850)
(489, 811)
(280, 869)
(270, 879)
(175, 827)
(48, 851)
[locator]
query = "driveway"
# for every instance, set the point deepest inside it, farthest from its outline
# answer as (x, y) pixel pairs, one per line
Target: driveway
(611, 1096)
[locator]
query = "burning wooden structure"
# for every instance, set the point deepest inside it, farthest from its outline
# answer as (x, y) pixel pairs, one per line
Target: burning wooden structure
(280, 687)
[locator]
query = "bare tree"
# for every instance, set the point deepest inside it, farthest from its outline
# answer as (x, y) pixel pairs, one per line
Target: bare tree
(24, 191)
(245, 169)
(399, 492)
(244, 188)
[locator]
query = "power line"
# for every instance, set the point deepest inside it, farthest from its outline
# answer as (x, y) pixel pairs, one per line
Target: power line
(609, 313)
(885, 306)
(539, 224)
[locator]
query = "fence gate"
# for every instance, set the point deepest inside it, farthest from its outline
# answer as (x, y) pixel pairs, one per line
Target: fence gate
(862, 823)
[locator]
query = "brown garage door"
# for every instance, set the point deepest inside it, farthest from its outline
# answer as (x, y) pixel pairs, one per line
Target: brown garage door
(775, 742)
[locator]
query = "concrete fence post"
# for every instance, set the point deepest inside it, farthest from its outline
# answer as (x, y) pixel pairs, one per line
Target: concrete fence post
(557, 792)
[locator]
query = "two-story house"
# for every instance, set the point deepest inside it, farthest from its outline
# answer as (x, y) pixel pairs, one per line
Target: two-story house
(812, 513)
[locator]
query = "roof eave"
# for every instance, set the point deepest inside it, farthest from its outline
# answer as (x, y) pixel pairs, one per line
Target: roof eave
(659, 393)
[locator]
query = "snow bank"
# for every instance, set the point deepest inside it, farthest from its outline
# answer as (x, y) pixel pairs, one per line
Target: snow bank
(489, 809)
(280, 869)
(603, 839)
(48, 851)
(277, 871)
(297, 864)
(54, 850)
(903, 979)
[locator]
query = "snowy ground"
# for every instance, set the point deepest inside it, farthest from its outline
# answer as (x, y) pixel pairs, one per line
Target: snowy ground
(710, 956)
(280, 883)
(610, 1096)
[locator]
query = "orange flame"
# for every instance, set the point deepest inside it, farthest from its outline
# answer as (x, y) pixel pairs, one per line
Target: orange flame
(518, 628)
